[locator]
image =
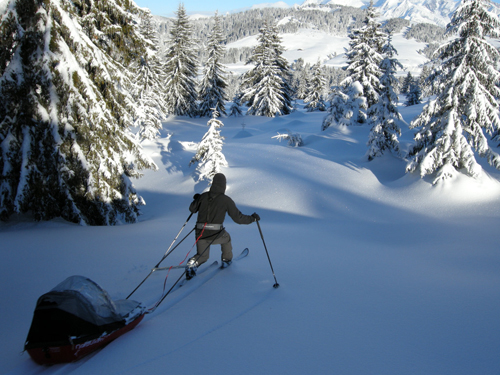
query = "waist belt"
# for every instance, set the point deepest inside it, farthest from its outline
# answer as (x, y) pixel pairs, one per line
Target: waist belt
(209, 226)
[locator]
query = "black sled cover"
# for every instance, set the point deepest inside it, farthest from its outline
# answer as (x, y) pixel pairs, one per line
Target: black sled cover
(76, 308)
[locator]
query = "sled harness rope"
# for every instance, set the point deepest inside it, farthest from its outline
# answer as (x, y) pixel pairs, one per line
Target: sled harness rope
(167, 253)
(164, 295)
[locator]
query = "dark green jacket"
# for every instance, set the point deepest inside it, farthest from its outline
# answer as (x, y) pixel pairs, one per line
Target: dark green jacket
(213, 205)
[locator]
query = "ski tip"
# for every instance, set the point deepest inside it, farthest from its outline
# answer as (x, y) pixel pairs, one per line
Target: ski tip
(243, 254)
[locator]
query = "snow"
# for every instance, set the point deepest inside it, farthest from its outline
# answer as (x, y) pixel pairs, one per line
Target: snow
(277, 4)
(351, 3)
(436, 12)
(3, 5)
(310, 45)
(198, 16)
(380, 272)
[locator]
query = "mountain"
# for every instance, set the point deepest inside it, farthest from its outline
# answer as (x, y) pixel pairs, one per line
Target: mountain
(427, 11)
(346, 3)
(436, 12)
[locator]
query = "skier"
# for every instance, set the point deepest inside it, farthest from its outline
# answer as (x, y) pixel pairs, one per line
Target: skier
(212, 207)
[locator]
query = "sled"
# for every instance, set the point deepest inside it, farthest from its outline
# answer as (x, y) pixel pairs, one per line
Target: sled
(76, 318)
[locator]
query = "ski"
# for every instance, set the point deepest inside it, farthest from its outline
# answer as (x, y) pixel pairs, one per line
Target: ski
(169, 268)
(212, 267)
(243, 254)
(205, 274)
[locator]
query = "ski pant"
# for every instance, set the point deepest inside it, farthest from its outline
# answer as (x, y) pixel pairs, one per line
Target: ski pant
(203, 247)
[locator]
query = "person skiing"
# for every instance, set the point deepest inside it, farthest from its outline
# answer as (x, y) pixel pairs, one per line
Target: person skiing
(212, 207)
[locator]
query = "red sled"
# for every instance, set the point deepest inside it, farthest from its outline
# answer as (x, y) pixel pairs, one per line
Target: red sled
(76, 318)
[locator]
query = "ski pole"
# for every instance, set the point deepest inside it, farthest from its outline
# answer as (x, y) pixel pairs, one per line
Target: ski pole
(175, 239)
(167, 253)
(276, 285)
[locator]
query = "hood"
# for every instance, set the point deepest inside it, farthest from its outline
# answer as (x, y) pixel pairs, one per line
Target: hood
(218, 184)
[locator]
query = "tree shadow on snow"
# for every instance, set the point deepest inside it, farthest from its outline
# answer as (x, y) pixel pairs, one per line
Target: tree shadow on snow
(176, 158)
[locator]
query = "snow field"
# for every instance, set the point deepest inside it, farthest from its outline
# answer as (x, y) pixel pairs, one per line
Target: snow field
(311, 45)
(380, 272)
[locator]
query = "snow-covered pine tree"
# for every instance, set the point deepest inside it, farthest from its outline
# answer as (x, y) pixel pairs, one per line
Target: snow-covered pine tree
(235, 106)
(414, 95)
(300, 84)
(284, 68)
(346, 108)
(364, 58)
(384, 115)
(147, 86)
(266, 87)
(66, 148)
(317, 84)
(181, 67)
(454, 124)
(300, 78)
(213, 85)
(148, 92)
(209, 154)
(423, 81)
(405, 87)
(336, 109)
(294, 139)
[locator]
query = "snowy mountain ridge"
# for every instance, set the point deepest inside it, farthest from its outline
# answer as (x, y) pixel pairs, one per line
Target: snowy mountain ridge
(436, 12)
(421, 11)
(347, 3)
(427, 11)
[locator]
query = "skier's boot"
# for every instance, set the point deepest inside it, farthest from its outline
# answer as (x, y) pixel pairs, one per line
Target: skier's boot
(191, 268)
(226, 263)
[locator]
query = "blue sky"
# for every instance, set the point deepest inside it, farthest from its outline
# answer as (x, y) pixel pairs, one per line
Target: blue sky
(167, 8)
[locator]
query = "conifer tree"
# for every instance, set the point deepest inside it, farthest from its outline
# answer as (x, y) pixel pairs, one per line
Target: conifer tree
(235, 106)
(148, 93)
(457, 122)
(364, 58)
(423, 81)
(346, 107)
(209, 154)
(283, 66)
(314, 98)
(66, 148)
(300, 78)
(147, 85)
(301, 83)
(181, 67)
(405, 87)
(414, 95)
(212, 90)
(267, 90)
(384, 115)
(366, 55)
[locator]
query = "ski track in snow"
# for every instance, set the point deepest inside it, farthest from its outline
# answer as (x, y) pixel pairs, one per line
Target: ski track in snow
(144, 366)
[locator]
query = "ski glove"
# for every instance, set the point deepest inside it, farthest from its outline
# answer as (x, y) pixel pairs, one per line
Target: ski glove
(196, 196)
(255, 216)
